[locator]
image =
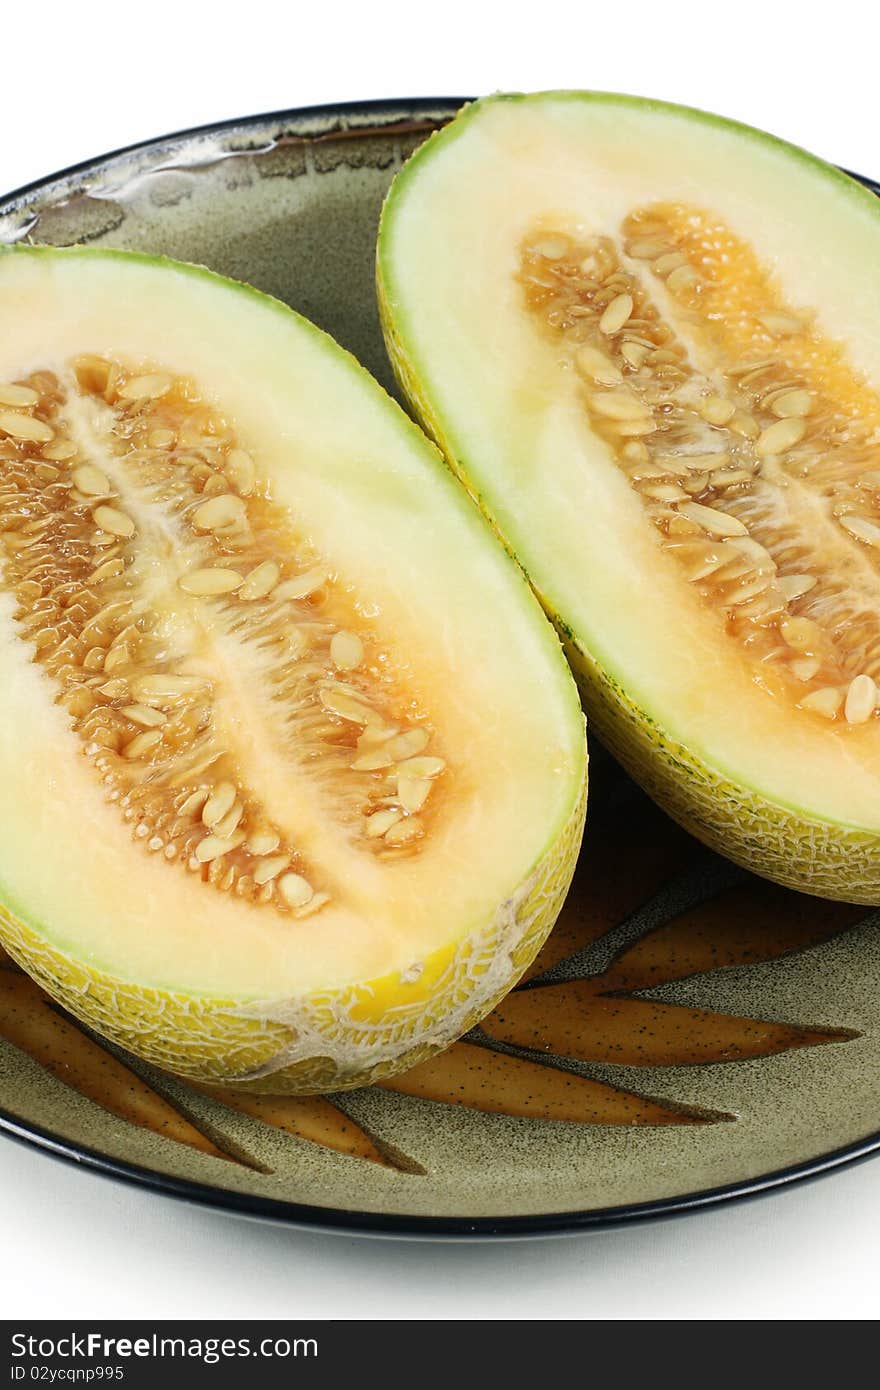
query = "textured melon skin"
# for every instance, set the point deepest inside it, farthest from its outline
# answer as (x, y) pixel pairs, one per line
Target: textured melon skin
(328, 1041)
(813, 856)
(824, 858)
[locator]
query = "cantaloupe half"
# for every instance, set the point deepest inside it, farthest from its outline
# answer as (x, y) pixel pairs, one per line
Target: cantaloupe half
(649, 341)
(293, 767)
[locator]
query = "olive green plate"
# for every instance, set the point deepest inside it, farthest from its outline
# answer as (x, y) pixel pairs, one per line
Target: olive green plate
(690, 1033)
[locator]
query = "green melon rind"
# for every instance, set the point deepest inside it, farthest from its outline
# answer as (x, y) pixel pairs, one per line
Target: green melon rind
(824, 857)
(309, 1044)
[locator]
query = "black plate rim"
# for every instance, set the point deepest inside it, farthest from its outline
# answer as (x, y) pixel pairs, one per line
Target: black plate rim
(342, 1220)
(345, 1221)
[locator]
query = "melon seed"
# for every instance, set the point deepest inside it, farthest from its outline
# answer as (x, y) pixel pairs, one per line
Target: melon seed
(805, 667)
(303, 585)
(346, 650)
(706, 560)
(108, 569)
(112, 520)
(800, 633)
(665, 492)
(405, 831)
(645, 249)
(230, 822)
(753, 551)
(193, 803)
(260, 582)
(634, 353)
(59, 450)
(671, 261)
(596, 366)
(413, 792)
(219, 802)
(240, 471)
(160, 438)
(346, 706)
(263, 841)
(552, 248)
(212, 847)
(381, 821)
(745, 424)
(25, 427)
(268, 869)
(93, 482)
(221, 511)
(618, 405)
(407, 744)
(716, 410)
(373, 759)
(143, 714)
(862, 529)
(780, 436)
(114, 690)
(780, 325)
(143, 743)
(20, 396)
(792, 403)
(861, 700)
(715, 522)
(148, 387)
(313, 905)
(796, 585)
(826, 701)
(616, 314)
(295, 890)
(683, 278)
(210, 581)
(166, 688)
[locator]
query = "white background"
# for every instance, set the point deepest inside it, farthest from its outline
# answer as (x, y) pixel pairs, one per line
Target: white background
(79, 80)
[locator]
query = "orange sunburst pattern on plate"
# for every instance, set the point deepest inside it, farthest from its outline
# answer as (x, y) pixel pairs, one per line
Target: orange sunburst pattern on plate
(511, 1065)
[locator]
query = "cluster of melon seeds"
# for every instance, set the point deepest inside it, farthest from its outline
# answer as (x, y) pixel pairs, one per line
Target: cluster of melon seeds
(751, 442)
(164, 594)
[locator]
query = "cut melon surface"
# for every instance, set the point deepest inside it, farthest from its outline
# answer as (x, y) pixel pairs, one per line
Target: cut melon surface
(648, 340)
(293, 767)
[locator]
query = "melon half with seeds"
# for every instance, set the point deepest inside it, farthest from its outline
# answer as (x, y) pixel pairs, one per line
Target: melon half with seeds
(649, 341)
(292, 762)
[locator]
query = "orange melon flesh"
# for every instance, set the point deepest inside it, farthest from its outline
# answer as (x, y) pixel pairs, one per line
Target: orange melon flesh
(648, 341)
(296, 764)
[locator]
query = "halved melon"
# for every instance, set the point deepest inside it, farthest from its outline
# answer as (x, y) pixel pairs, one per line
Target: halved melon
(292, 762)
(649, 341)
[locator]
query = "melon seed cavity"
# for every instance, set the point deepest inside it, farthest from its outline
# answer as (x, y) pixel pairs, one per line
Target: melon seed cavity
(750, 441)
(141, 547)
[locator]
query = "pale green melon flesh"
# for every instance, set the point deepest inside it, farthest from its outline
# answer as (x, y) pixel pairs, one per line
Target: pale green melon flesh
(410, 948)
(776, 786)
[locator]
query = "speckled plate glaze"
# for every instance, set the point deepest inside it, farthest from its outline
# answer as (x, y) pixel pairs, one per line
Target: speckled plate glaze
(688, 1034)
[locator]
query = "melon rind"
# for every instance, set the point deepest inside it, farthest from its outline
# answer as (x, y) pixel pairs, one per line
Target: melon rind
(823, 857)
(325, 1041)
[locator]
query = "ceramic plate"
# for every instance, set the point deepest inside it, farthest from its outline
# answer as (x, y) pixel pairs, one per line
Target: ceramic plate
(689, 1033)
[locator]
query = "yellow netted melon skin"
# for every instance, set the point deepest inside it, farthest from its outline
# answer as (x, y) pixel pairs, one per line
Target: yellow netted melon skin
(326, 1041)
(810, 855)
(823, 858)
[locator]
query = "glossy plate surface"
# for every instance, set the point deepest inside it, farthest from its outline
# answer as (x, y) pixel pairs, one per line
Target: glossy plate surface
(690, 1034)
